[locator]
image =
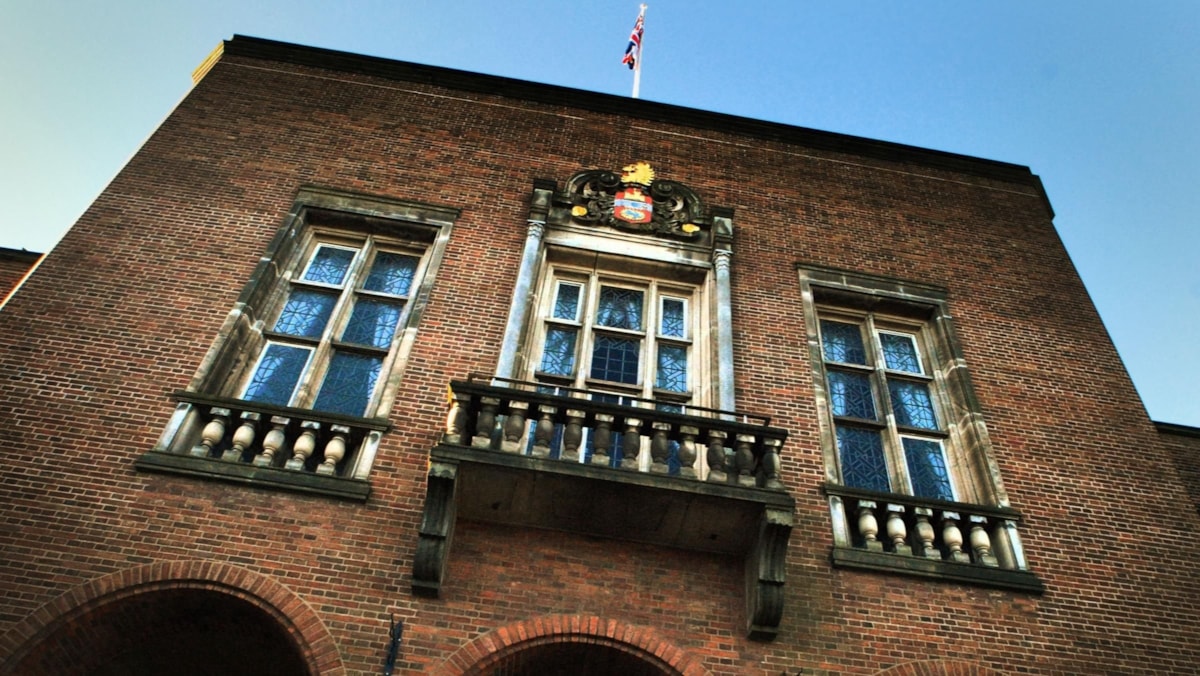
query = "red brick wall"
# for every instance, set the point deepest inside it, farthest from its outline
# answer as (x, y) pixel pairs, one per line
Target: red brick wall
(157, 261)
(1183, 445)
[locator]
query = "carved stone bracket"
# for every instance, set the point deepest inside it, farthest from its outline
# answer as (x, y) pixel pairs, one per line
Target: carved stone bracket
(437, 529)
(766, 565)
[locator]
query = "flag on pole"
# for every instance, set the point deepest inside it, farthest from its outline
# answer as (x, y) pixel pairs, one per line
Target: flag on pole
(633, 53)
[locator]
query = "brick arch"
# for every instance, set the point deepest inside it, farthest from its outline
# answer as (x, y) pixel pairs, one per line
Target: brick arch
(642, 642)
(938, 668)
(312, 640)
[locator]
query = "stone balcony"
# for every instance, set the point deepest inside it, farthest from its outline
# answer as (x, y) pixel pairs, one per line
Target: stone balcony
(522, 454)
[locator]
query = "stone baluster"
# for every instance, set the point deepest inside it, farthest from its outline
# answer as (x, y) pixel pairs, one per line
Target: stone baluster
(486, 423)
(631, 444)
(925, 534)
(952, 537)
(744, 458)
(243, 436)
(305, 444)
(335, 450)
(514, 427)
(572, 435)
(687, 450)
(897, 530)
(273, 441)
(213, 432)
(660, 447)
(602, 440)
(770, 464)
(456, 418)
(716, 457)
(543, 432)
(868, 526)
(981, 543)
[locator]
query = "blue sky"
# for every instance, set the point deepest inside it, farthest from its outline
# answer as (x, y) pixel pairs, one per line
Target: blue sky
(1100, 98)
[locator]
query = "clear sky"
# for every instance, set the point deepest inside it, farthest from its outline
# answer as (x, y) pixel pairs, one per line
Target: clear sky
(1100, 98)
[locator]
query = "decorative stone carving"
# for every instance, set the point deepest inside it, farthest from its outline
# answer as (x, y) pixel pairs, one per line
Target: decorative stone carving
(437, 529)
(635, 201)
(766, 566)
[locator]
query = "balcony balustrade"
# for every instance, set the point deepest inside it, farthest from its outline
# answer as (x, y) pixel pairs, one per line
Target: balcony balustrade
(933, 538)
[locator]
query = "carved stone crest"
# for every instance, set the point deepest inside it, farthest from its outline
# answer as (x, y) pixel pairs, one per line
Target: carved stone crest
(635, 201)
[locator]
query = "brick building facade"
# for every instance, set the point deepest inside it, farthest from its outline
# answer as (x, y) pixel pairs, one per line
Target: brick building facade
(356, 355)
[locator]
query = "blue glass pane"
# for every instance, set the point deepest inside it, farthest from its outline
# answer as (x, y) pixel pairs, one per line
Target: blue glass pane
(348, 383)
(911, 404)
(305, 313)
(558, 356)
(329, 265)
(616, 359)
(566, 304)
(927, 469)
(373, 322)
(863, 465)
(278, 371)
(842, 342)
(673, 320)
(900, 353)
(672, 368)
(850, 394)
(392, 273)
(620, 308)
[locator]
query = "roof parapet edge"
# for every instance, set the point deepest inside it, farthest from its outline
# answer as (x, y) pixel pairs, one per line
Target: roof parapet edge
(406, 71)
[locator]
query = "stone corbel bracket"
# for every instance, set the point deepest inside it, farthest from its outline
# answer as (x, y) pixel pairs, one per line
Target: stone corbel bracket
(766, 566)
(437, 529)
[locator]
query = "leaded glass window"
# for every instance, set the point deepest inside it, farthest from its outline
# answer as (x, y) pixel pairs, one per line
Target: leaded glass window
(876, 387)
(335, 329)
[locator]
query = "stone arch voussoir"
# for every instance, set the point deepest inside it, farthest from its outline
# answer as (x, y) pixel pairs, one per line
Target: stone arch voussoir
(302, 623)
(938, 668)
(643, 642)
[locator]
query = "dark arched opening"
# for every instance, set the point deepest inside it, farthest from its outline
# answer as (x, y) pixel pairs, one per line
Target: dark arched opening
(570, 658)
(184, 632)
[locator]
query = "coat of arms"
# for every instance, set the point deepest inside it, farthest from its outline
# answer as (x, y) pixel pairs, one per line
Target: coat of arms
(631, 203)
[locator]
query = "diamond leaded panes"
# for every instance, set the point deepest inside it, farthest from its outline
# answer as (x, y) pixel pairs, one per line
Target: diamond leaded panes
(863, 463)
(672, 368)
(927, 468)
(900, 352)
(843, 342)
(674, 318)
(373, 322)
(392, 273)
(305, 313)
(279, 369)
(850, 395)
(348, 383)
(911, 404)
(329, 265)
(620, 308)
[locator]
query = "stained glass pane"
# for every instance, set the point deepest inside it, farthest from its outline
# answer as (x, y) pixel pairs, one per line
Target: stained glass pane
(900, 352)
(558, 356)
(373, 322)
(850, 394)
(620, 308)
(673, 318)
(616, 359)
(927, 468)
(863, 465)
(278, 371)
(329, 265)
(842, 342)
(672, 368)
(912, 405)
(566, 303)
(392, 273)
(348, 383)
(305, 313)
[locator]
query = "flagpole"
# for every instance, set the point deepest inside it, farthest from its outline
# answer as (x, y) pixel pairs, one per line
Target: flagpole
(637, 67)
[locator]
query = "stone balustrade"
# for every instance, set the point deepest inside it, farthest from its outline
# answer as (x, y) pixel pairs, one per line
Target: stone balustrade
(636, 435)
(295, 440)
(929, 530)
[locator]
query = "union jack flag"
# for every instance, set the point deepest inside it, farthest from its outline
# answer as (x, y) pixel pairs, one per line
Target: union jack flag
(634, 51)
